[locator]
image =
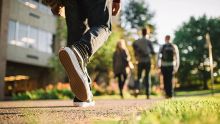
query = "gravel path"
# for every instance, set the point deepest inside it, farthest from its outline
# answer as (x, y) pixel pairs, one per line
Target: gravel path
(62, 111)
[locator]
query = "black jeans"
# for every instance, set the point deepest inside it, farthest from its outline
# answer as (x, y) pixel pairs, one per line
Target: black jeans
(167, 72)
(88, 22)
(144, 67)
(121, 81)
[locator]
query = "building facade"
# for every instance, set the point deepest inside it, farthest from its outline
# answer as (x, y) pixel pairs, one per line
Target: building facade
(26, 45)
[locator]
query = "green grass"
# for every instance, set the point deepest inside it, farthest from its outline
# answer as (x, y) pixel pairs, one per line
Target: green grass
(190, 110)
(196, 92)
(185, 110)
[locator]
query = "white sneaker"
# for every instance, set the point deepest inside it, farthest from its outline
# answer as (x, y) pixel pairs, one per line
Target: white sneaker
(78, 103)
(84, 104)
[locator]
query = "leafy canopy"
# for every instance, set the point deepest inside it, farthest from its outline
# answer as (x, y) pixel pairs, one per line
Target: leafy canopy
(136, 14)
(191, 41)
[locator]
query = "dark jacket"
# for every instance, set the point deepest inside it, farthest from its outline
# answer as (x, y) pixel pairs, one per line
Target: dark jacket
(143, 50)
(120, 62)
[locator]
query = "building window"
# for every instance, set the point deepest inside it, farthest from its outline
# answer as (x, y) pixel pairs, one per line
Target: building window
(42, 41)
(50, 42)
(29, 37)
(33, 38)
(22, 35)
(45, 41)
(12, 32)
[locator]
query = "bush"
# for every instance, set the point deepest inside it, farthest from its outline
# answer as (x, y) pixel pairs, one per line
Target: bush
(20, 96)
(44, 94)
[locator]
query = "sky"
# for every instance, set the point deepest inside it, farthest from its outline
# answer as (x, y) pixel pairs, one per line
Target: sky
(170, 14)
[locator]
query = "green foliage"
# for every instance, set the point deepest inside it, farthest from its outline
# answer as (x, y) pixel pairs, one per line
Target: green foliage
(61, 33)
(57, 70)
(184, 111)
(96, 92)
(137, 14)
(44, 94)
(190, 39)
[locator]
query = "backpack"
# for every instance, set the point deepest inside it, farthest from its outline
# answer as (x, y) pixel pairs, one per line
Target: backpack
(168, 52)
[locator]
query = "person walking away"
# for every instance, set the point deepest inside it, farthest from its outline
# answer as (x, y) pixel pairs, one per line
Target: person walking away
(168, 62)
(143, 49)
(121, 59)
(88, 27)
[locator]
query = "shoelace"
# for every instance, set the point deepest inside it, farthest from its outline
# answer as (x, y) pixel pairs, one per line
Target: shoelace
(81, 50)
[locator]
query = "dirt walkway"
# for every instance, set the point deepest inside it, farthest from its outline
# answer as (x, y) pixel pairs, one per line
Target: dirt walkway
(62, 111)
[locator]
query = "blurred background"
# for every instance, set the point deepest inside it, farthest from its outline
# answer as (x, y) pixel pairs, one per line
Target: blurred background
(30, 37)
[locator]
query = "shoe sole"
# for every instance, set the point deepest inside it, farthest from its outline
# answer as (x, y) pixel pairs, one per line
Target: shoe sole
(75, 75)
(83, 104)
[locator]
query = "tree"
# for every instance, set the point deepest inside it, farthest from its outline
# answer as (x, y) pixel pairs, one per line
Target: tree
(57, 70)
(190, 39)
(136, 14)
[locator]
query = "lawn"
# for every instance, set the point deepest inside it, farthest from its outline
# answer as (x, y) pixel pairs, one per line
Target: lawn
(196, 92)
(184, 110)
(194, 110)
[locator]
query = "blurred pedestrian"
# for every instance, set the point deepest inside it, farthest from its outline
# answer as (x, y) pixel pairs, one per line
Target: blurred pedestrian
(168, 62)
(143, 52)
(88, 27)
(121, 59)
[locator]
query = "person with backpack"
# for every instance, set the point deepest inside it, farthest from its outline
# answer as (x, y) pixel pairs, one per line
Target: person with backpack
(121, 60)
(88, 27)
(143, 49)
(168, 62)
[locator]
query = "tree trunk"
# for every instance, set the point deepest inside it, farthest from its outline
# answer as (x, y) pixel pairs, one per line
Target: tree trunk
(205, 81)
(205, 84)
